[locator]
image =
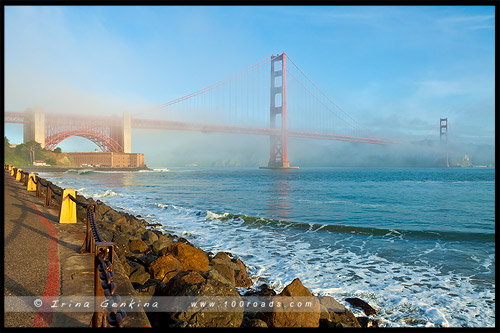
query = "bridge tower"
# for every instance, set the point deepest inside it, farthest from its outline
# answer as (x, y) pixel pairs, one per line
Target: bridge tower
(127, 136)
(443, 132)
(278, 143)
(120, 131)
(34, 127)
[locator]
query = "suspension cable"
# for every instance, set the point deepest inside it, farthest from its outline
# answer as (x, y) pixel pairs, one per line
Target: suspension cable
(213, 86)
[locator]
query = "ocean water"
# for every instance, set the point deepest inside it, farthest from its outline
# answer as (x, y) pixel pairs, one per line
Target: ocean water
(417, 244)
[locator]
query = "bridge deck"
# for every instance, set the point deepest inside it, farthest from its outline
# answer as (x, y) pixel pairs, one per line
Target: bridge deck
(202, 127)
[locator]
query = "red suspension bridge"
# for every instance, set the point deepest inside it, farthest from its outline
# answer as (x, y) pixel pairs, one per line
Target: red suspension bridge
(273, 98)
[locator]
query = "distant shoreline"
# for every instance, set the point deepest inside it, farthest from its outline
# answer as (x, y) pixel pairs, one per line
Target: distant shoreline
(64, 169)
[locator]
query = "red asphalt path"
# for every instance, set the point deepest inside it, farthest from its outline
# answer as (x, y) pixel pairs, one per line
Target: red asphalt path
(53, 283)
(52, 280)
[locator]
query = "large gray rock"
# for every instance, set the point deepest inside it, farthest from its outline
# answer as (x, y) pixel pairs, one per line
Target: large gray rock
(366, 322)
(356, 302)
(253, 322)
(140, 230)
(178, 284)
(331, 304)
(137, 245)
(81, 214)
(149, 237)
(226, 271)
(106, 234)
(160, 244)
(116, 217)
(124, 262)
(262, 290)
(102, 208)
(241, 278)
(127, 229)
(197, 283)
(146, 260)
(233, 270)
(223, 256)
(164, 268)
(203, 318)
(146, 289)
(215, 275)
(339, 320)
(106, 224)
(285, 316)
(121, 242)
(190, 257)
(138, 273)
(132, 221)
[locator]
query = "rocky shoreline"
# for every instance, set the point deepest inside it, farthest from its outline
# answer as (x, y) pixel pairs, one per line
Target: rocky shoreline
(162, 264)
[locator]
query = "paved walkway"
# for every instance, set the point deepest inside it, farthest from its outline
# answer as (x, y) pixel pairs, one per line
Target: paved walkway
(41, 258)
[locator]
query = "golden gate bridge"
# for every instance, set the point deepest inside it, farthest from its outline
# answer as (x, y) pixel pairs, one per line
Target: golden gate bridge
(273, 97)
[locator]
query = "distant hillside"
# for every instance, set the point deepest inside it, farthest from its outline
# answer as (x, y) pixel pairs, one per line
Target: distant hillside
(24, 154)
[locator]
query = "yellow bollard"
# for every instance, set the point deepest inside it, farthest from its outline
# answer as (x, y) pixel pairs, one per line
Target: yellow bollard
(19, 174)
(12, 172)
(67, 213)
(31, 184)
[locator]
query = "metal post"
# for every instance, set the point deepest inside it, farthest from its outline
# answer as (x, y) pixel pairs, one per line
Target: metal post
(48, 198)
(38, 192)
(88, 243)
(98, 319)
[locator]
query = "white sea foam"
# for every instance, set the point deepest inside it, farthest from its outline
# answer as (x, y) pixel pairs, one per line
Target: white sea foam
(213, 216)
(79, 171)
(186, 233)
(101, 194)
(436, 318)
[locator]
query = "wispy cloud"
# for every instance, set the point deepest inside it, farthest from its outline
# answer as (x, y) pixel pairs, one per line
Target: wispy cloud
(472, 22)
(470, 18)
(439, 88)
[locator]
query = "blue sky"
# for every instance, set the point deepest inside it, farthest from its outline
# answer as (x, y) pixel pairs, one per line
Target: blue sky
(396, 70)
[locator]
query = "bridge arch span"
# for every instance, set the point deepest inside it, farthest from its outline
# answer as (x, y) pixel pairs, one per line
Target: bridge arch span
(104, 142)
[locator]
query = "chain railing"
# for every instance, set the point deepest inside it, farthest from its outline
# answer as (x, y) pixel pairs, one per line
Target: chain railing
(38, 183)
(25, 178)
(48, 192)
(104, 285)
